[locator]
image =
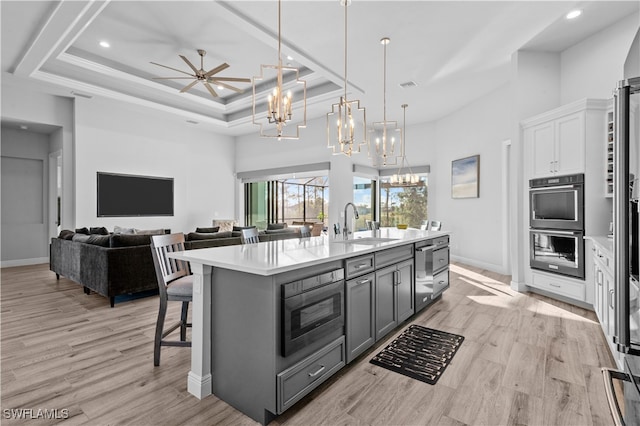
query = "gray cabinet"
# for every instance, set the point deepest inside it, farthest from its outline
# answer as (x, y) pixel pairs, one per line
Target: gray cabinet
(360, 299)
(394, 296)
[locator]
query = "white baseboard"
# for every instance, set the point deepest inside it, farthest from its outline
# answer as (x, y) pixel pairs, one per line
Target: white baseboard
(23, 262)
(488, 266)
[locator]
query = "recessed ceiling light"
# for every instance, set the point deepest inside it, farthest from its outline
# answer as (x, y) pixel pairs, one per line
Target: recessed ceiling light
(24, 127)
(105, 44)
(220, 88)
(574, 14)
(289, 57)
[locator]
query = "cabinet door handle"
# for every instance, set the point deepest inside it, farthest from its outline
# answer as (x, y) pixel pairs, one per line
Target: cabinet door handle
(554, 285)
(320, 370)
(397, 278)
(611, 294)
(551, 166)
(360, 266)
(366, 280)
(556, 166)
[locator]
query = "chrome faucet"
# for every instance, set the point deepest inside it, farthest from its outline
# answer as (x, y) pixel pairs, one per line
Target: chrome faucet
(345, 230)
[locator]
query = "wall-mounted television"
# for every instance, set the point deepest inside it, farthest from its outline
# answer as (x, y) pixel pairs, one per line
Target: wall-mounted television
(131, 195)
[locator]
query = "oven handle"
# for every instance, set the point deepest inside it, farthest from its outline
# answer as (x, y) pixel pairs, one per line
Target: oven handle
(608, 375)
(551, 188)
(555, 231)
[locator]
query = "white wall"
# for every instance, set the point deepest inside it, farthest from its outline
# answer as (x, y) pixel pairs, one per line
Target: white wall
(477, 224)
(591, 68)
(120, 138)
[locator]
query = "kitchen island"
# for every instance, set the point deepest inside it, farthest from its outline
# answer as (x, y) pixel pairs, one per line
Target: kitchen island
(238, 352)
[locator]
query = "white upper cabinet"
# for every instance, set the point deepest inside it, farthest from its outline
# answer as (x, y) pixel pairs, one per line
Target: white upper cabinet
(557, 145)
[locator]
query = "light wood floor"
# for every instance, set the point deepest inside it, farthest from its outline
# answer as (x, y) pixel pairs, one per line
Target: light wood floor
(526, 360)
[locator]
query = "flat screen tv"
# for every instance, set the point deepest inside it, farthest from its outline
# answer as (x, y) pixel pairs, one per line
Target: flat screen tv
(130, 195)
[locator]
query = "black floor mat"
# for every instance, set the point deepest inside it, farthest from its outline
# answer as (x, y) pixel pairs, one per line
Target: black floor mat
(419, 352)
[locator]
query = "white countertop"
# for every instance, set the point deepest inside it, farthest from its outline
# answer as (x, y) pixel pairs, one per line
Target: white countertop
(274, 257)
(605, 243)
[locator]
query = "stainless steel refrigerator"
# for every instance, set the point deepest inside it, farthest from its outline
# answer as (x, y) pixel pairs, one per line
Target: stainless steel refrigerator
(625, 399)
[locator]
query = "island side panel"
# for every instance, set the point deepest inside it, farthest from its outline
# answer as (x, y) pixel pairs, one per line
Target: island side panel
(244, 341)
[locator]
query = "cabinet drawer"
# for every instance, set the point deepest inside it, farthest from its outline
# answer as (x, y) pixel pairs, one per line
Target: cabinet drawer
(359, 265)
(440, 282)
(440, 258)
(394, 255)
(297, 381)
(559, 286)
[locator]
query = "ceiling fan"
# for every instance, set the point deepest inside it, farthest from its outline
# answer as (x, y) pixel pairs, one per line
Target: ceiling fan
(206, 77)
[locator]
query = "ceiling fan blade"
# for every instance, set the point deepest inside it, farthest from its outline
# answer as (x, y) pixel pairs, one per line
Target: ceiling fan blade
(226, 86)
(242, 80)
(172, 78)
(210, 89)
(174, 69)
(195, 70)
(189, 86)
(217, 69)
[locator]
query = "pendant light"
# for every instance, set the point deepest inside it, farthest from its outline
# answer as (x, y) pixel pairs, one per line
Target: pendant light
(347, 121)
(406, 178)
(279, 109)
(385, 140)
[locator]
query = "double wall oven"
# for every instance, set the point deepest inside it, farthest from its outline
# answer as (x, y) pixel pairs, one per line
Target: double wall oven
(556, 224)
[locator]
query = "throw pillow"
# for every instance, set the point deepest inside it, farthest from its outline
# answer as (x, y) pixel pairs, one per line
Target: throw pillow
(66, 234)
(120, 230)
(98, 230)
(272, 226)
(240, 228)
(129, 240)
(208, 230)
(84, 231)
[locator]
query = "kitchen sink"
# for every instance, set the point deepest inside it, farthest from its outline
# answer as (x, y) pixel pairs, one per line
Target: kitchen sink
(365, 240)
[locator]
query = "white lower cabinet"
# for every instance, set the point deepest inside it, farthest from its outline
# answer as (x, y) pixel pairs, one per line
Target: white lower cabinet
(604, 300)
(574, 289)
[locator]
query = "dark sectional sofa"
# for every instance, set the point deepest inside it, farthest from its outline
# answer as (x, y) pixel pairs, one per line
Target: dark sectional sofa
(118, 264)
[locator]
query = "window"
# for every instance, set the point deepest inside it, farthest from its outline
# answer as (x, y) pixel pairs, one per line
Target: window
(403, 205)
(364, 198)
(287, 200)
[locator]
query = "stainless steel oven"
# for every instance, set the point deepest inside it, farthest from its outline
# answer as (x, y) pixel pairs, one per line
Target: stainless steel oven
(560, 252)
(312, 309)
(557, 202)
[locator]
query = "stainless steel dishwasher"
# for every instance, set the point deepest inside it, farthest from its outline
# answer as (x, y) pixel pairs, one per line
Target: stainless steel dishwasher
(432, 270)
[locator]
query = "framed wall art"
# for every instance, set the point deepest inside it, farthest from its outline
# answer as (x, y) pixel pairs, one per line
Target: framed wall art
(465, 177)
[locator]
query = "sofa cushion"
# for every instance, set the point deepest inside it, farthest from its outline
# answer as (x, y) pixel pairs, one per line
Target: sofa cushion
(99, 240)
(282, 231)
(193, 236)
(66, 234)
(98, 230)
(128, 240)
(209, 230)
(150, 231)
(83, 230)
(80, 238)
(274, 226)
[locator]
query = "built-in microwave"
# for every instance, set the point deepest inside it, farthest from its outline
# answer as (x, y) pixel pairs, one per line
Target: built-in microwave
(312, 310)
(557, 202)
